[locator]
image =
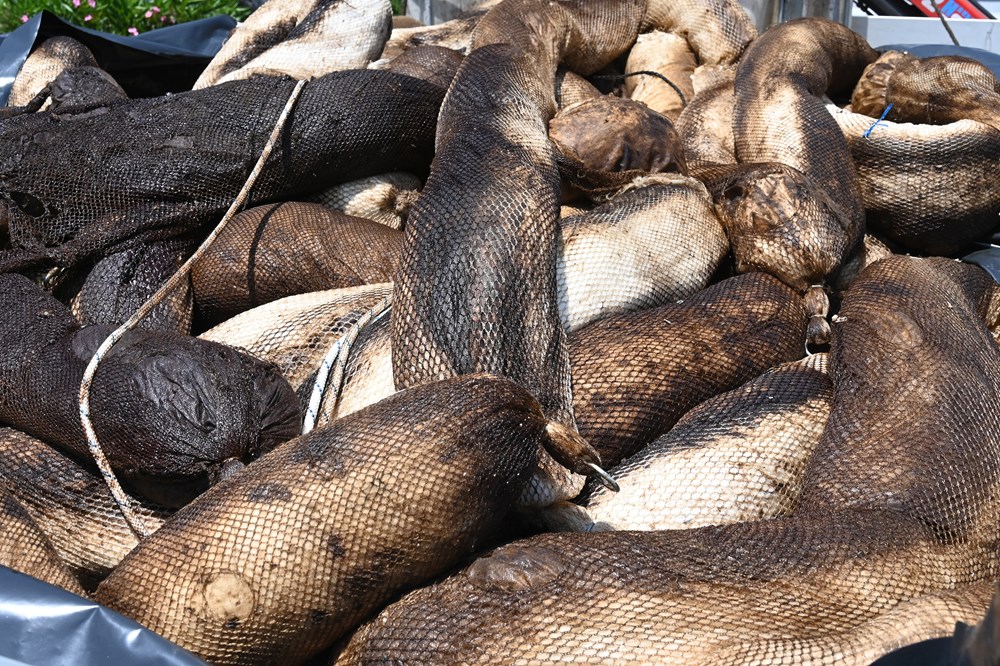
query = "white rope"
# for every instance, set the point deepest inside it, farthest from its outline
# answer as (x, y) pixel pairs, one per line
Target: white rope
(121, 499)
(336, 359)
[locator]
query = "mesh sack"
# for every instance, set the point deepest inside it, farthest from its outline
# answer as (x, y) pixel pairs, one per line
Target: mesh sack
(385, 199)
(636, 374)
(737, 457)
(168, 409)
(907, 204)
(297, 332)
(71, 505)
(655, 242)
(604, 143)
(915, 369)
(269, 252)
(937, 90)
(571, 88)
(75, 89)
(313, 538)
(76, 186)
(705, 126)
(669, 56)
(45, 63)
(455, 34)
(434, 64)
(302, 39)
(368, 374)
(24, 548)
(476, 287)
(893, 539)
(83, 87)
(120, 283)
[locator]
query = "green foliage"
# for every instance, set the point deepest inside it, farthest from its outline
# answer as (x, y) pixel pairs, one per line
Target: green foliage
(119, 16)
(398, 7)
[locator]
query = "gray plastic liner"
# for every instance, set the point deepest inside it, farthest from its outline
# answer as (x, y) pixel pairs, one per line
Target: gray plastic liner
(988, 58)
(988, 260)
(43, 625)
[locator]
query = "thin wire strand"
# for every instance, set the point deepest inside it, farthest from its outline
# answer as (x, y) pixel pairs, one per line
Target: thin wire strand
(135, 523)
(646, 72)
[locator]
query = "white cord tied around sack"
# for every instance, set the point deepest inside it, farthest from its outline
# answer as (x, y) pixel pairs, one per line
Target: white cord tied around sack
(336, 359)
(121, 499)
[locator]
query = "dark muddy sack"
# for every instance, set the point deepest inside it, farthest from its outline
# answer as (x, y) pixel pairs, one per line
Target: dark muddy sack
(120, 283)
(77, 186)
(169, 410)
(269, 252)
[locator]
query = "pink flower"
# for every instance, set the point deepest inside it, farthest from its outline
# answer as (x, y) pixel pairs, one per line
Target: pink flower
(87, 17)
(133, 31)
(149, 14)
(92, 3)
(24, 19)
(155, 9)
(76, 3)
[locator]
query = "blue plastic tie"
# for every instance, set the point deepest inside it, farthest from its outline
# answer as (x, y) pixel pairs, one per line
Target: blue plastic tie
(868, 132)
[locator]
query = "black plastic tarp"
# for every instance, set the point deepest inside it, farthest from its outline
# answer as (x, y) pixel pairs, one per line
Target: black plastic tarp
(43, 625)
(147, 65)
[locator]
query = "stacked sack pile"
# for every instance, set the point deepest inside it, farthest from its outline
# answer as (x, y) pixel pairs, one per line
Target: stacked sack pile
(563, 332)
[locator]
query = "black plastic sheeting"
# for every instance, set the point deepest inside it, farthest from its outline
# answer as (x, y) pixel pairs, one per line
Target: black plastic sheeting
(935, 652)
(147, 65)
(43, 625)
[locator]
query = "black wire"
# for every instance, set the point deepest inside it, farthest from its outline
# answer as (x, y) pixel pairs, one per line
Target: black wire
(646, 73)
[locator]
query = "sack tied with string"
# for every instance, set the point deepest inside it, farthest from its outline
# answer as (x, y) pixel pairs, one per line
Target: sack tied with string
(77, 185)
(169, 410)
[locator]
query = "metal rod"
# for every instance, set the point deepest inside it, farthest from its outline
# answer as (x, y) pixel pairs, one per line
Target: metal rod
(937, 9)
